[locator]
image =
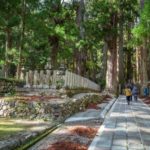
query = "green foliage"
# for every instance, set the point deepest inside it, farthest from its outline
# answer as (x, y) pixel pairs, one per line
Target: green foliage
(73, 91)
(142, 29)
(11, 128)
(102, 83)
(7, 86)
(51, 28)
(60, 83)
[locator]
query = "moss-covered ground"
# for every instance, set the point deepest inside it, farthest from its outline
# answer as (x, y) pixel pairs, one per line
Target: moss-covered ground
(11, 127)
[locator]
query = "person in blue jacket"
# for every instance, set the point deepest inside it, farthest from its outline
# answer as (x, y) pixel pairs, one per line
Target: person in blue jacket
(135, 92)
(146, 91)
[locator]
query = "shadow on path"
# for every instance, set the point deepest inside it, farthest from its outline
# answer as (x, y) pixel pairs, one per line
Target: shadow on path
(126, 127)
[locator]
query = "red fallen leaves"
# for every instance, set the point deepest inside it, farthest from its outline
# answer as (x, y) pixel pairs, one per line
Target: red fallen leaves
(106, 97)
(67, 145)
(92, 106)
(35, 98)
(142, 97)
(147, 100)
(84, 131)
(70, 145)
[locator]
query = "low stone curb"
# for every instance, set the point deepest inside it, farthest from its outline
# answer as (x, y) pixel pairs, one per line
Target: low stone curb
(15, 141)
(99, 118)
(107, 108)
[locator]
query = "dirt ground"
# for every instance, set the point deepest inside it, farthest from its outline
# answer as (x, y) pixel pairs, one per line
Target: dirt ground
(74, 136)
(145, 99)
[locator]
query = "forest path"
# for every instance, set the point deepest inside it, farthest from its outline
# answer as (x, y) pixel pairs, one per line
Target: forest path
(126, 127)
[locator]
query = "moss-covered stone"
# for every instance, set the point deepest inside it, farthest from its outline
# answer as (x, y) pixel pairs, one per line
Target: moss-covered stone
(46, 110)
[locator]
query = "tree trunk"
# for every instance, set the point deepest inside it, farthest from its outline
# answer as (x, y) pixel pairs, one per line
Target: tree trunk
(144, 64)
(79, 53)
(21, 39)
(54, 43)
(120, 54)
(111, 75)
(104, 61)
(80, 18)
(54, 39)
(138, 64)
(7, 49)
(78, 62)
(148, 59)
(129, 66)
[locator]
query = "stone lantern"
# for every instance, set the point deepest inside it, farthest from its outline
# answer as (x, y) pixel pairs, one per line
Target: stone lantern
(22, 75)
(48, 67)
(48, 74)
(61, 70)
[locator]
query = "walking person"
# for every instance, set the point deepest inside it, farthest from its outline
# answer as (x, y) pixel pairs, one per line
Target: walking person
(130, 85)
(135, 93)
(128, 94)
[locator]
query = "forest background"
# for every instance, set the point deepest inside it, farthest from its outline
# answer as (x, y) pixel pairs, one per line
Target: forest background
(107, 41)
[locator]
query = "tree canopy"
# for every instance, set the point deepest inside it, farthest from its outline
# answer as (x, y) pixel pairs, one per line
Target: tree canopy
(98, 39)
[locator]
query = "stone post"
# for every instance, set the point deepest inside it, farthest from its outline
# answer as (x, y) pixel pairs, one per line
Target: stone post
(41, 81)
(27, 80)
(48, 78)
(22, 74)
(35, 79)
(31, 78)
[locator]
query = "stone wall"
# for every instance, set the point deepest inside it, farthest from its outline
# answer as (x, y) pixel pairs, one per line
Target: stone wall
(46, 110)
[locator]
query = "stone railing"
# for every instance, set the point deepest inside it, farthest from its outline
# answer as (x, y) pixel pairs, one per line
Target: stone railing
(41, 79)
(73, 80)
(49, 79)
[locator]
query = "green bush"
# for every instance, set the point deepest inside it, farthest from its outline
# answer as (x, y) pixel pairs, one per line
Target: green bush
(102, 83)
(71, 92)
(60, 83)
(7, 85)
(20, 83)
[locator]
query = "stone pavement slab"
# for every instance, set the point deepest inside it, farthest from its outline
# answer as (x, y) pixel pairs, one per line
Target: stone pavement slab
(83, 116)
(90, 114)
(126, 127)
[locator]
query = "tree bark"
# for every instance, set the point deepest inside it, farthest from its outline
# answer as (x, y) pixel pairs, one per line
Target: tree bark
(138, 64)
(79, 53)
(54, 43)
(18, 73)
(111, 75)
(104, 61)
(7, 49)
(144, 64)
(120, 54)
(148, 59)
(129, 66)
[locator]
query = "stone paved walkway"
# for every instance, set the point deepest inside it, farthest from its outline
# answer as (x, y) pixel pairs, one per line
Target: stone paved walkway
(126, 127)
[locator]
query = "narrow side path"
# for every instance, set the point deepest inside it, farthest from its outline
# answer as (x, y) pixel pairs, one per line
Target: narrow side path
(126, 127)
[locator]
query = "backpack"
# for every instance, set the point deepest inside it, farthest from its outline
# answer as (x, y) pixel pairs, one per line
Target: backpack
(128, 92)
